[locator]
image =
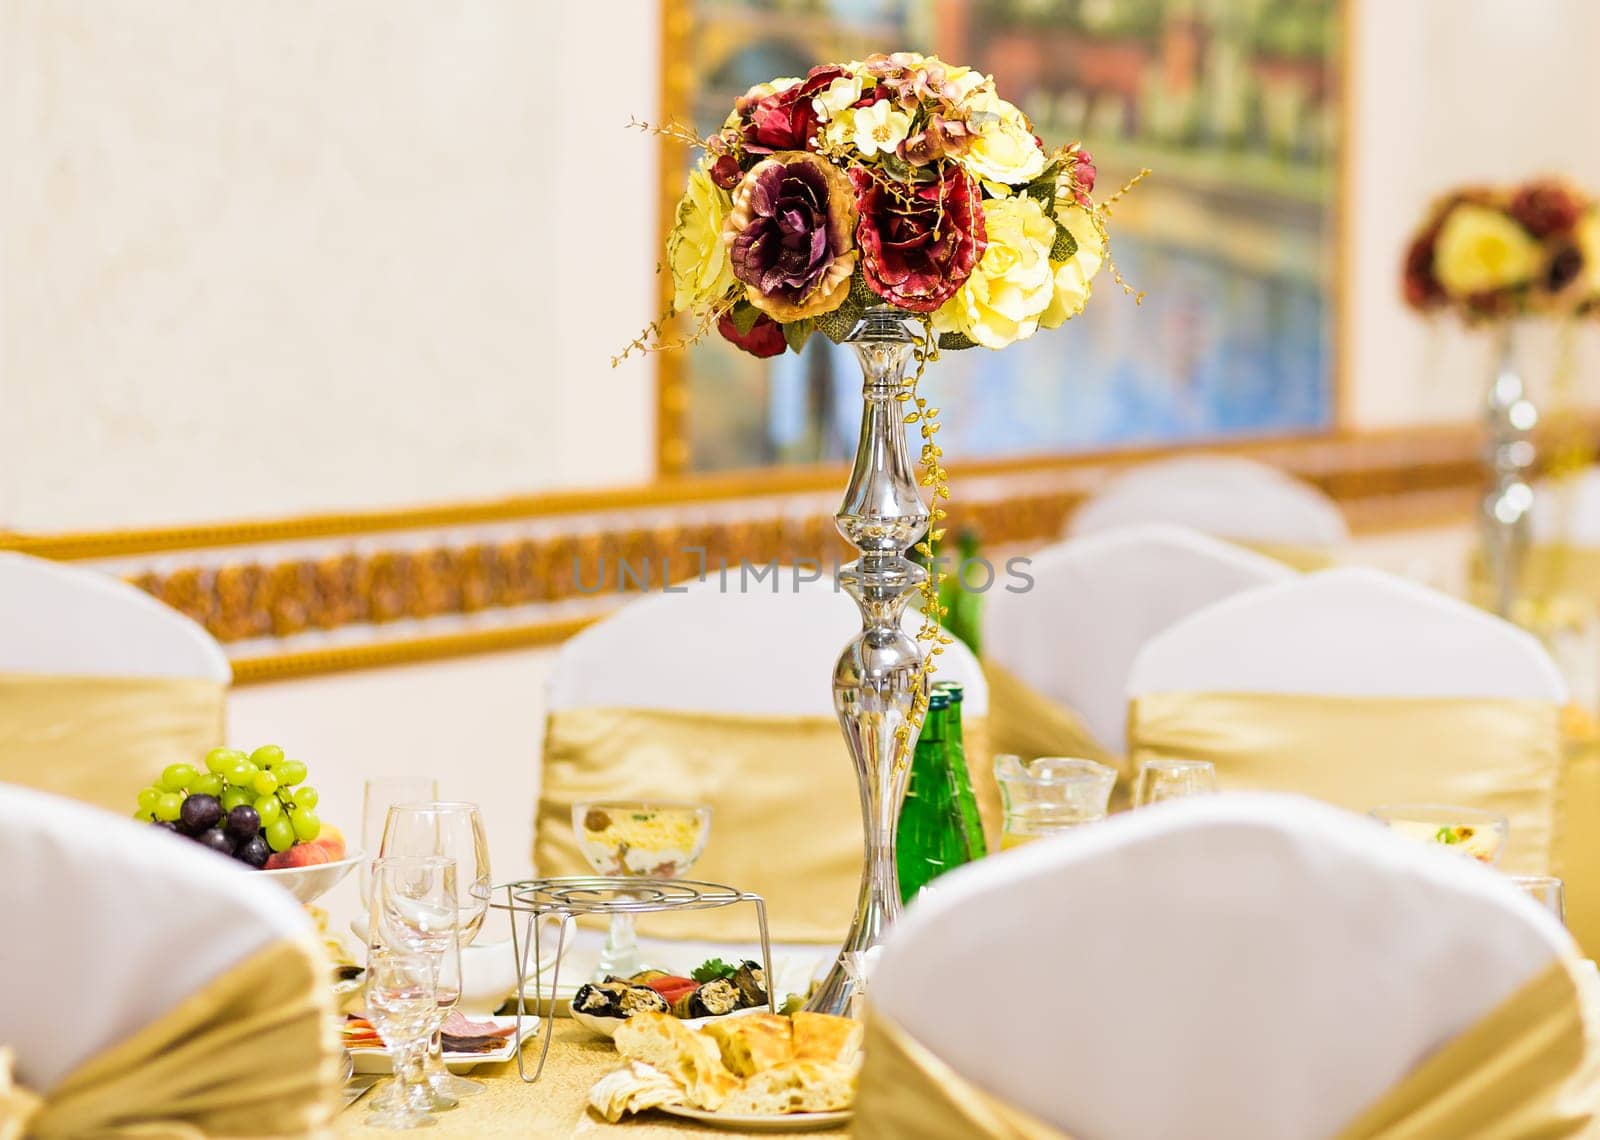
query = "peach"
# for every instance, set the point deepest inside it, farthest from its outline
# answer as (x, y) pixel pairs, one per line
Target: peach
(300, 855)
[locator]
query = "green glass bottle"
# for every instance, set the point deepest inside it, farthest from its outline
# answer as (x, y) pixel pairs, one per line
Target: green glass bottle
(933, 835)
(960, 774)
(963, 608)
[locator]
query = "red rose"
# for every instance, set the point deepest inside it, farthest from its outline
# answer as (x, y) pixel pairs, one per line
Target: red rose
(1545, 208)
(725, 172)
(919, 244)
(764, 339)
(1418, 284)
(787, 120)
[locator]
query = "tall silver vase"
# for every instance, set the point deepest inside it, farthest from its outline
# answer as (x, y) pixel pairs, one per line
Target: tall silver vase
(1505, 516)
(882, 516)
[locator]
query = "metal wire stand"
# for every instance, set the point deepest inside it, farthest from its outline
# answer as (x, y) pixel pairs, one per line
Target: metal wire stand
(571, 897)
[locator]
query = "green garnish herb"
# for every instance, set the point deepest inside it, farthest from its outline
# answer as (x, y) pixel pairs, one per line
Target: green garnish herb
(712, 969)
(1448, 835)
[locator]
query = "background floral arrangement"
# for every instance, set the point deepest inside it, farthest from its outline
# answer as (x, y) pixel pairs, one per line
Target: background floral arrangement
(898, 180)
(1491, 253)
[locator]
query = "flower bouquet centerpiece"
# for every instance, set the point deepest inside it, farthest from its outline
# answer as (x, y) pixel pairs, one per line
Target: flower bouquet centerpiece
(1497, 256)
(900, 205)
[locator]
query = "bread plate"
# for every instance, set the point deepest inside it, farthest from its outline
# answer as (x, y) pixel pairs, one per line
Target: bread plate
(607, 1026)
(766, 1122)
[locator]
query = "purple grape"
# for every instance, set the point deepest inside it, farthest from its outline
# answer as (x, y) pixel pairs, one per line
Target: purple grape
(254, 851)
(200, 813)
(243, 823)
(216, 840)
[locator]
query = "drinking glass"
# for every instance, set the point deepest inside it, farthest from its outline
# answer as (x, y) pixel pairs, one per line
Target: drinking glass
(454, 831)
(1546, 890)
(1173, 779)
(415, 910)
(1470, 831)
(376, 798)
(638, 840)
(1050, 795)
(400, 1005)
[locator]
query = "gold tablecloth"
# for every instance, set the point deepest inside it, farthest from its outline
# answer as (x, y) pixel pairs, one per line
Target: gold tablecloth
(555, 1106)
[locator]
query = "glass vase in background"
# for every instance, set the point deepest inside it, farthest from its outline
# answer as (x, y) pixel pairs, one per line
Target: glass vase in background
(1050, 795)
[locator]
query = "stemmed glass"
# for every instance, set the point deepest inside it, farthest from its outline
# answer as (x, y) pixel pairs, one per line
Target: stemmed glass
(400, 1005)
(638, 840)
(414, 912)
(377, 797)
(1160, 780)
(454, 831)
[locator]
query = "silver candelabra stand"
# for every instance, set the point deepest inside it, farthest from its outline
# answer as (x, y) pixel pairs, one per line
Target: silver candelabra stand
(1505, 515)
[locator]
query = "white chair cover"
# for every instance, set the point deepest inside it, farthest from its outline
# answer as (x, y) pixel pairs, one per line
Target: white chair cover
(1228, 496)
(758, 652)
(1096, 600)
(1347, 632)
(109, 924)
(1251, 967)
(67, 620)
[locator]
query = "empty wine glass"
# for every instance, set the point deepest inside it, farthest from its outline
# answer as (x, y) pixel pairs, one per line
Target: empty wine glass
(414, 909)
(1546, 890)
(377, 796)
(455, 831)
(400, 1004)
(637, 840)
(1160, 780)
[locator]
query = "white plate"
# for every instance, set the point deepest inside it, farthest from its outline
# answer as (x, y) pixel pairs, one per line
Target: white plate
(377, 1060)
(607, 1026)
(785, 1122)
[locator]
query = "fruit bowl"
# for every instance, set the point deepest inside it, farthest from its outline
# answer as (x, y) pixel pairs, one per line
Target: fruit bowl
(314, 880)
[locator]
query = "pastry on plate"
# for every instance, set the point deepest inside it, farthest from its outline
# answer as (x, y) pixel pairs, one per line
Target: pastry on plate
(634, 1088)
(824, 1037)
(752, 1043)
(692, 1059)
(795, 1086)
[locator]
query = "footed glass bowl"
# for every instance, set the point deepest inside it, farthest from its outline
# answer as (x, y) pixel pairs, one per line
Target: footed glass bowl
(310, 883)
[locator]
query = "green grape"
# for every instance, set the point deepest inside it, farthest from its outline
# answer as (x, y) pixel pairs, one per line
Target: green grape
(176, 777)
(306, 825)
(208, 785)
(264, 783)
(219, 760)
(142, 816)
(169, 807)
(305, 797)
(240, 772)
(269, 809)
(268, 756)
(280, 834)
(290, 772)
(149, 797)
(233, 797)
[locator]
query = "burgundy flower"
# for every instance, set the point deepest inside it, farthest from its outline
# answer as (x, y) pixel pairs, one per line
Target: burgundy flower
(764, 339)
(919, 243)
(1418, 284)
(1545, 208)
(786, 120)
(790, 235)
(725, 172)
(1082, 174)
(1566, 263)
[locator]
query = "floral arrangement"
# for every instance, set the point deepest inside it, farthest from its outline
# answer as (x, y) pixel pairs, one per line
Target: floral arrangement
(898, 180)
(1492, 253)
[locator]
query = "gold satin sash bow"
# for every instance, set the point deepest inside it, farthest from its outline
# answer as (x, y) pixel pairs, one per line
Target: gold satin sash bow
(786, 810)
(252, 1053)
(1524, 1070)
(1359, 752)
(101, 739)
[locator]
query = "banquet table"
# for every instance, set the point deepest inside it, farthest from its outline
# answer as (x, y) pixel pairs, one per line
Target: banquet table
(556, 1105)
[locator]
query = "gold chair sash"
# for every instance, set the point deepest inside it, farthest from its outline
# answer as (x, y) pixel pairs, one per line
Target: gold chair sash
(1523, 1070)
(786, 812)
(252, 1053)
(1359, 752)
(101, 739)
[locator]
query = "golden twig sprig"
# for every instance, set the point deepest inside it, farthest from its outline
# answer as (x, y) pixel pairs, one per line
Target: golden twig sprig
(671, 129)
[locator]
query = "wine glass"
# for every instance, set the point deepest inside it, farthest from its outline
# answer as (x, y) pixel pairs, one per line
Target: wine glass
(1470, 831)
(414, 910)
(637, 840)
(1546, 890)
(400, 1000)
(454, 831)
(377, 796)
(1160, 780)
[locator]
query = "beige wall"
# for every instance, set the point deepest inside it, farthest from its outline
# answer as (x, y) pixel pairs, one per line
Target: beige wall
(259, 258)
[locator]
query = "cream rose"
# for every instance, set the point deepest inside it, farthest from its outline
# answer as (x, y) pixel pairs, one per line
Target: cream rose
(837, 96)
(1013, 283)
(696, 253)
(1003, 149)
(1480, 250)
(1072, 276)
(880, 128)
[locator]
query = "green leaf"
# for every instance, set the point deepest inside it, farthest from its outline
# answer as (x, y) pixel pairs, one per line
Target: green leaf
(841, 322)
(1066, 245)
(955, 342)
(796, 333)
(861, 293)
(712, 969)
(1043, 188)
(744, 317)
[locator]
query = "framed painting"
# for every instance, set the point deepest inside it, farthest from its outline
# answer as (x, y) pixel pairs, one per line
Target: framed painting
(1236, 107)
